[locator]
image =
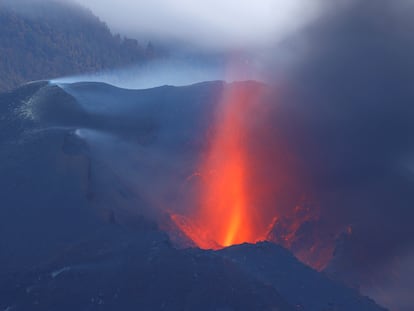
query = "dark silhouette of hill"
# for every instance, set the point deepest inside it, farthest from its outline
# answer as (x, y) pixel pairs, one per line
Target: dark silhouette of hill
(49, 38)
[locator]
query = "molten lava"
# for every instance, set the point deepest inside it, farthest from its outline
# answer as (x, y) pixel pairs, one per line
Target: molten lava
(226, 214)
(225, 210)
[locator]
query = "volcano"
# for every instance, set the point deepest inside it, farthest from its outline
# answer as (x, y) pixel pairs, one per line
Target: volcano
(171, 198)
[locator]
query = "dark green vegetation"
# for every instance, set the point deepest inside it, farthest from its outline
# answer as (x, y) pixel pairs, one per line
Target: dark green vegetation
(49, 39)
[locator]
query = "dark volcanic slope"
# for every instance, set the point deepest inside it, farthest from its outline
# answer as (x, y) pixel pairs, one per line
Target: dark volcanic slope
(299, 284)
(60, 157)
(121, 269)
(77, 166)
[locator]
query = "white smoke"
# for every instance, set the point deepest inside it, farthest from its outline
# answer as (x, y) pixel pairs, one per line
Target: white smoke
(214, 24)
(175, 72)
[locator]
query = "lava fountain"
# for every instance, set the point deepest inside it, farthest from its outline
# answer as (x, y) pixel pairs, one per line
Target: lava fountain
(225, 215)
(225, 209)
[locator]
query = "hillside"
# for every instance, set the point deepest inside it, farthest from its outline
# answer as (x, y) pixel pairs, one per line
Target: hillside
(88, 172)
(50, 38)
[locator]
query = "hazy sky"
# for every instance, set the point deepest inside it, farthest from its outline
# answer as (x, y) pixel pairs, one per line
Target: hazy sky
(212, 23)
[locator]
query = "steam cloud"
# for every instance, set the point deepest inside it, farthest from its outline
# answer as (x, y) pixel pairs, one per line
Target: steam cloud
(175, 70)
(214, 24)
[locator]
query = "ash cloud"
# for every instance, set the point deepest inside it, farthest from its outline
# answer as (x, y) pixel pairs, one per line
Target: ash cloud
(351, 120)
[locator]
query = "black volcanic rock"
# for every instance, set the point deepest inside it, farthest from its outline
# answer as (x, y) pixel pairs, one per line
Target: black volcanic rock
(298, 284)
(129, 270)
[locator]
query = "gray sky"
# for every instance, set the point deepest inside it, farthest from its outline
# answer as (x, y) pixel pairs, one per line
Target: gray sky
(213, 24)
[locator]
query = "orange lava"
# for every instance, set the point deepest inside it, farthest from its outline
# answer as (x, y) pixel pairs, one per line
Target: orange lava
(225, 216)
(225, 207)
